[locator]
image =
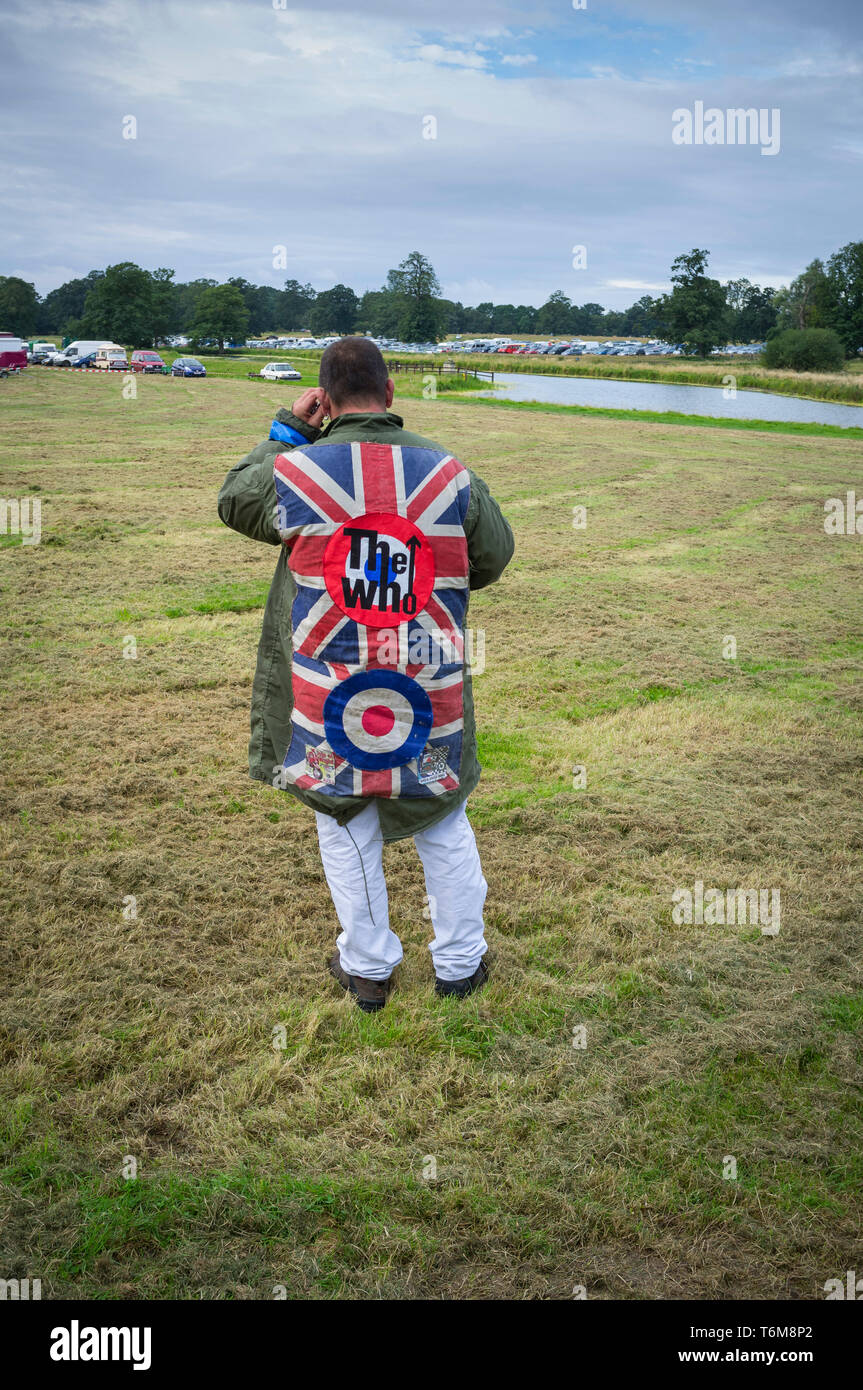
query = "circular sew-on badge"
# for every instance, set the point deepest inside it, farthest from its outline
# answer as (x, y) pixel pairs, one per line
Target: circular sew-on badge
(377, 719)
(379, 569)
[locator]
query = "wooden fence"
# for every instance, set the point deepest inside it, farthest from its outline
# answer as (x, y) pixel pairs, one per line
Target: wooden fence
(439, 368)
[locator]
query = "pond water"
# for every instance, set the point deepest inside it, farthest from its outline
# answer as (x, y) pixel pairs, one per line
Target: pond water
(686, 400)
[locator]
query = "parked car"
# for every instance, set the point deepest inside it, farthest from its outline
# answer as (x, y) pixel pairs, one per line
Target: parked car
(64, 357)
(13, 354)
(188, 366)
(40, 352)
(84, 359)
(111, 359)
(280, 371)
(145, 361)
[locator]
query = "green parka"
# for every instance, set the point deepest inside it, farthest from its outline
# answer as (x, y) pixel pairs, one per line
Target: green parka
(247, 502)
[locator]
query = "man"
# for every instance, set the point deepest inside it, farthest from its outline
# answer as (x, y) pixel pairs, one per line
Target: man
(361, 703)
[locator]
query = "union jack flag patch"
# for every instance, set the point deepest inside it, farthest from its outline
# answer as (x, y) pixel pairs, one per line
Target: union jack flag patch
(376, 545)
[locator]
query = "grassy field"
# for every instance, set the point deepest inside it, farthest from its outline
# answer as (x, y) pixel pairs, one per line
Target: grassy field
(150, 1035)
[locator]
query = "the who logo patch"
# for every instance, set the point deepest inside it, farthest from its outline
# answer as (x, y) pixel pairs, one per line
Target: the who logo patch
(379, 569)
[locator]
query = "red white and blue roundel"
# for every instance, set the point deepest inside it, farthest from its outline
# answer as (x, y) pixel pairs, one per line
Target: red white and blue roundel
(377, 719)
(379, 569)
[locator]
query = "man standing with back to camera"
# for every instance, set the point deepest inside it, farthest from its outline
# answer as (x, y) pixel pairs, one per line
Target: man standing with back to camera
(361, 704)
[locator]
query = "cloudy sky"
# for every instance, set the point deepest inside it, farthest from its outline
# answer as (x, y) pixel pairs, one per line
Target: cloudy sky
(259, 126)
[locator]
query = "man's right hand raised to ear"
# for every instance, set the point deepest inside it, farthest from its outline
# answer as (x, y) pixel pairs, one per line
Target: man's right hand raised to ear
(311, 407)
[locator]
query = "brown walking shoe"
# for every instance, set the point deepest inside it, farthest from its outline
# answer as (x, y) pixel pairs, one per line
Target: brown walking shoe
(462, 988)
(369, 995)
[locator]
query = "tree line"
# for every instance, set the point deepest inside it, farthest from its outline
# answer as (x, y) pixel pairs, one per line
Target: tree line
(141, 308)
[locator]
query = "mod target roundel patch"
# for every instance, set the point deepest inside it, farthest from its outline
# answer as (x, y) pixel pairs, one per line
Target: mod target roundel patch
(377, 719)
(379, 569)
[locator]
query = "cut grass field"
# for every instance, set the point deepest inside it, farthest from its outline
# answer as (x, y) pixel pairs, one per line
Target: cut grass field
(307, 1166)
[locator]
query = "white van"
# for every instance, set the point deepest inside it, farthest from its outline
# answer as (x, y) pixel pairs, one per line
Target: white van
(80, 348)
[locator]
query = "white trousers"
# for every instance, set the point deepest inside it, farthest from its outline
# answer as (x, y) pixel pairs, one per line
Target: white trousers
(352, 856)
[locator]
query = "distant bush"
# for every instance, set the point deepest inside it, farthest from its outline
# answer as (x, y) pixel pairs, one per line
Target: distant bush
(805, 350)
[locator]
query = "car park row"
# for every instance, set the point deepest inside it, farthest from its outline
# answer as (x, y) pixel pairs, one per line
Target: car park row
(102, 355)
(574, 347)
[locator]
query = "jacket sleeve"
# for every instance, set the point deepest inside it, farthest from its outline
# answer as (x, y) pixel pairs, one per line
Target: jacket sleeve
(490, 542)
(247, 500)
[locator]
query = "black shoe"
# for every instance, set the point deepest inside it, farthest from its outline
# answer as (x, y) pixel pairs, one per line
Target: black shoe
(462, 988)
(369, 995)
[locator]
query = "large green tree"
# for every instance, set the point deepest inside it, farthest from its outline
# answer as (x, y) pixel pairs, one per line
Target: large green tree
(805, 303)
(753, 310)
(695, 313)
(188, 294)
(587, 318)
(265, 315)
(334, 311)
(249, 293)
(220, 314)
(844, 297)
(19, 306)
(640, 319)
(452, 315)
(166, 308)
(555, 315)
(378, 314)
(296, 306)
(418, 289)
(121, 306)
(265, 304)
(66, 302)
(481, 318)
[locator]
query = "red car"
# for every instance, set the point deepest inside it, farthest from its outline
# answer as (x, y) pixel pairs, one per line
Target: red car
(13, 354)
(144, 361)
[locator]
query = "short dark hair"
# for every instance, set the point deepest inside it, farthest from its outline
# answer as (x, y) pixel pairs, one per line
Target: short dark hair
(352, 369)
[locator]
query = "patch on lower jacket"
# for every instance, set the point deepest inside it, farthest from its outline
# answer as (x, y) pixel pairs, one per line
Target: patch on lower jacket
(321, 765)
(432, 764)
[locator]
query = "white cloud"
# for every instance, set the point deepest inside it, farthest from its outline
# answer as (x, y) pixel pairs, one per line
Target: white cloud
(821, 65)
(474, 291)
(641, 285)
(452, 57)
(518, 60)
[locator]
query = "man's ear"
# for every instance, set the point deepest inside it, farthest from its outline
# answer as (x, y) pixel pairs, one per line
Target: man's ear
(326, 403)
(391, 390)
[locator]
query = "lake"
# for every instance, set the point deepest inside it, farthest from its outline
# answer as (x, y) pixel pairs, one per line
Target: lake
(685, 400)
